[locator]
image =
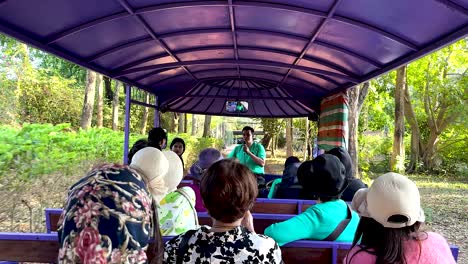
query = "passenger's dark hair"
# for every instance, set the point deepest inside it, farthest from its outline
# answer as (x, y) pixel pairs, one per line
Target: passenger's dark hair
(387, 244)
(177, 140)
(246, 128)
(291, 160)
(228, 190)
(155, 136)
(139, 144)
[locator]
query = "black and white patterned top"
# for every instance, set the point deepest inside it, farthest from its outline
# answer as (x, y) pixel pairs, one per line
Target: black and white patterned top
(238, 245)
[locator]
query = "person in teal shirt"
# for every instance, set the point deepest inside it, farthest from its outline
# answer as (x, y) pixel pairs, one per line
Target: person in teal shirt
(325, 177)
(251, 153)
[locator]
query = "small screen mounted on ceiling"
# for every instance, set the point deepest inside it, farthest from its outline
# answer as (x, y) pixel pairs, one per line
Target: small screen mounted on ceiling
(237, 106)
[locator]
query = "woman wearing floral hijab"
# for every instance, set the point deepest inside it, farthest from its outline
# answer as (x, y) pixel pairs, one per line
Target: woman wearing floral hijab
(110, 214)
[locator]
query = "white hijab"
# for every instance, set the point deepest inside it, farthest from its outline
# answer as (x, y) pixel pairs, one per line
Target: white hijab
(175, 173)
(153, 164)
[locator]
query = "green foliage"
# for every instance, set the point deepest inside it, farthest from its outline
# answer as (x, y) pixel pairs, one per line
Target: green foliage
(374, 153)
(50, 99)
(437, 86)
(54, 66)
(378, 108)
(40, 149)
(273, 126)
(194, 145)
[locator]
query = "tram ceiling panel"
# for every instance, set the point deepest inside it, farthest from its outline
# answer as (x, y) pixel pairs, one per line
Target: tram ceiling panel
(281, 56)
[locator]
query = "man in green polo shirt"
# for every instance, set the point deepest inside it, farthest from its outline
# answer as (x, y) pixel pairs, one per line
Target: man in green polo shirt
(251, 154)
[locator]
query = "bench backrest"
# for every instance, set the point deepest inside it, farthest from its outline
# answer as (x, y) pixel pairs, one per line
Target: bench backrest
(43, 248)
(261, 221)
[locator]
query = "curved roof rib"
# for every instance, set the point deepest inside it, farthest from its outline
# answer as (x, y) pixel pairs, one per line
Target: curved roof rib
(195, 54)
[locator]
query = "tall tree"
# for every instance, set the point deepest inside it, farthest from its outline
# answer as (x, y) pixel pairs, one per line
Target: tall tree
(206, 126)
(356, 96)
(416, 146)
(100, 101)
(289, 137)
(108, 94)
(87, 112)
(185, 122)
(194, 125)
(271, 127)
(306, 140)
(398, 153)
(181, 126)
(144, 119)
(438, 89)
(115, 107)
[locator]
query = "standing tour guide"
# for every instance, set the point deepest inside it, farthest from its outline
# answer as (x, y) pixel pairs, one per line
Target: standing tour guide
(251, 154)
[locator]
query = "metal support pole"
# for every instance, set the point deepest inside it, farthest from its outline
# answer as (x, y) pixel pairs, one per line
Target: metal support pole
(127, 122)
(156, 114)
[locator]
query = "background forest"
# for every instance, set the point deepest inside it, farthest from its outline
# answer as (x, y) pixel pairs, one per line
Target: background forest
(38, 88)
(58, 120)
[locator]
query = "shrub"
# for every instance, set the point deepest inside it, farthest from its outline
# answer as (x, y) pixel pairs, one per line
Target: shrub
(41, 149)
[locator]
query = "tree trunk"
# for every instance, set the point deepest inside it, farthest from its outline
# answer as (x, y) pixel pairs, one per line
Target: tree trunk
(289, 137)
(185, 123)
(206, 126)
(115, 107)
(398, 154)
(430, 151)
(273, 143)
(416, 146)
(356, 97)
(144, 120)
(175, 122)
(194, 125)
(306, 140)
(108, 94)
(266, 140)
(87, 112)
(181, 127)
(100, 101)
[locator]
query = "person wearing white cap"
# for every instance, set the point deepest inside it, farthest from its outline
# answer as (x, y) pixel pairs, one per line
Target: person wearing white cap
(390, 227)
(176, 210)
(111, 214)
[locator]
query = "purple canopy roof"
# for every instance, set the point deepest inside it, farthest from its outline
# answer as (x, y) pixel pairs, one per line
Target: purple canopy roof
(281, 56)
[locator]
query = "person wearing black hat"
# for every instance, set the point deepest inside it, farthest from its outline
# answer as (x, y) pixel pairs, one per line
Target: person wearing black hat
(289, 187)
(330, 219)
(354, 184)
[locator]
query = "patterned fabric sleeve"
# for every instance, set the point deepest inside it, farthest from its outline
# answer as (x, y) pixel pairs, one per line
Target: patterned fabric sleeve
(107, 218)
(170, 250)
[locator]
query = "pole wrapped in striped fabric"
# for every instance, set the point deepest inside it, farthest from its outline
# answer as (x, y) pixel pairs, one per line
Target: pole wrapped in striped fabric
(333, 124)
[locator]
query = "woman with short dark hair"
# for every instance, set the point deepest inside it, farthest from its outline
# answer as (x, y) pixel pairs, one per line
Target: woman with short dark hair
(390, 227)
(228, 189)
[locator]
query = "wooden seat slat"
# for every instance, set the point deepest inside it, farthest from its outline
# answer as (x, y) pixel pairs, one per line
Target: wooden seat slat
(43, 248)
